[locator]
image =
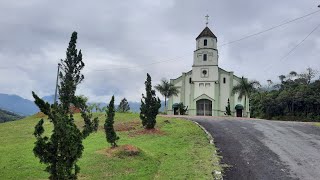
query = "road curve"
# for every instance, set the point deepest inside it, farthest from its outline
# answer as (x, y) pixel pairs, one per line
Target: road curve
(262, 149)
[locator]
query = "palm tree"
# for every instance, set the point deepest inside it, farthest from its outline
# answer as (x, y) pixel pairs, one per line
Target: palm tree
(167, 90)
(245, 88)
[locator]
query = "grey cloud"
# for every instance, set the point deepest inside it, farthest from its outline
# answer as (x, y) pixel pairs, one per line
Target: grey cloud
(113, 34)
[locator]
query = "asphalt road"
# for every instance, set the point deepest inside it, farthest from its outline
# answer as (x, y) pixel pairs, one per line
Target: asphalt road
(261, 149)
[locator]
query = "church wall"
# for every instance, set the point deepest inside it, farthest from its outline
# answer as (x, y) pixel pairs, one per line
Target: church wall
(211, 76)
(178, 83)
(211, 57)
(204, 88)
(187, 91)
(176, 99)
(242, 101)
(225, 90)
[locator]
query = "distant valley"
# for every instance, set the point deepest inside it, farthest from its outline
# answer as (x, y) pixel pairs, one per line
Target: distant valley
(6, 116)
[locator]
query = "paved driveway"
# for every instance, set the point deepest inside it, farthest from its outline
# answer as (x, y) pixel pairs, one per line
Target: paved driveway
(261, 149)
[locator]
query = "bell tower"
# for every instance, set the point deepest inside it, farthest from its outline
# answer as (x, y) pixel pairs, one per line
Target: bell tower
(205, 60)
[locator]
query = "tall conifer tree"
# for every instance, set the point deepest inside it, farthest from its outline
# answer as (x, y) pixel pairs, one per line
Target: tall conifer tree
(108, 126)
(123, 106)
(62, 149)
(150, 105)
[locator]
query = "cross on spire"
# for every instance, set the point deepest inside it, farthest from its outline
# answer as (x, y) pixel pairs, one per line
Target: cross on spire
(207, 19)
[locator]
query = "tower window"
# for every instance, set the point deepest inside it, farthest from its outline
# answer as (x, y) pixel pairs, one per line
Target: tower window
(190, 80)
(204, 57)
(224, 80)
(205, 42)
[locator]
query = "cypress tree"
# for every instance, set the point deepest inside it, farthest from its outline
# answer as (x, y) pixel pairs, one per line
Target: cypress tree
(108, 126)
(228, 109)
(61, 151)
(150, 106)
(123, 106)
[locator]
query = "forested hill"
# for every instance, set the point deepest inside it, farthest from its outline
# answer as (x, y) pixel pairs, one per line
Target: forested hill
(8, 116)
(295, 98)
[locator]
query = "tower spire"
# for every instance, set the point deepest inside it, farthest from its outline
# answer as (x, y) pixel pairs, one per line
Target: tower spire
(207, 20)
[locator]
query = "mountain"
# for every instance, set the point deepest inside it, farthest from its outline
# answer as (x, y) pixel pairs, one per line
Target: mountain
(25, 107)
(49, 99)
(17, 104)
(6, 116)
(134, 106)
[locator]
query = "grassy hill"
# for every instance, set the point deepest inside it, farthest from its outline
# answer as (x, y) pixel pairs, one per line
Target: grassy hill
(8, 116)
(178, 150)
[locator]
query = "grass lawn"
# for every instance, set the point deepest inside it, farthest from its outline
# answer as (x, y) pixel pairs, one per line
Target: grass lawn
(317, 124)
(180, 151)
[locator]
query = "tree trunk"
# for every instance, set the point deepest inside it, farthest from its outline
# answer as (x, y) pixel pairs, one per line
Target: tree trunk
(165, 104)
(245, 106)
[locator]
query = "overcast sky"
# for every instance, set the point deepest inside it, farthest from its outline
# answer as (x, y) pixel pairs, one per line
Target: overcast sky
(122, 40)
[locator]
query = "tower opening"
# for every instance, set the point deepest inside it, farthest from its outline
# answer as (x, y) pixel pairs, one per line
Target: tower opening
(204, 57)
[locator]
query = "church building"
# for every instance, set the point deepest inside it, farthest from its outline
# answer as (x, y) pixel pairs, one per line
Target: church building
(206, 89)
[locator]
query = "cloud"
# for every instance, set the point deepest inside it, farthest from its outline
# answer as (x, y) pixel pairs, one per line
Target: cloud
(121, 41)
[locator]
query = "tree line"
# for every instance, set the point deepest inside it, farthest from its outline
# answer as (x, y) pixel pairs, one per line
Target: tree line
(295, 98)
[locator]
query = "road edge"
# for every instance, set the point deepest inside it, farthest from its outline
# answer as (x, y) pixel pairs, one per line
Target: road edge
(217, 174)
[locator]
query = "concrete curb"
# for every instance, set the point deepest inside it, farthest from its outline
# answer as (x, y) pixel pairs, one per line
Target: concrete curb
(217, 174)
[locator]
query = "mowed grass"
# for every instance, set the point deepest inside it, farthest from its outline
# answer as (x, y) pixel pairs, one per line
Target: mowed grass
(317, 124)
(182, 151)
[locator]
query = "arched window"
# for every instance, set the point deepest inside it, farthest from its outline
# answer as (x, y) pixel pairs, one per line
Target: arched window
(224, 80)
(204, 57)
(205, 42)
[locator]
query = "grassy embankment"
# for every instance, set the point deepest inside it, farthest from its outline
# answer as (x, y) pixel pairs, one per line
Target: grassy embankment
(179, 150)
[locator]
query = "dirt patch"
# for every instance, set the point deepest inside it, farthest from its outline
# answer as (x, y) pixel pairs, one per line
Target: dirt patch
(40, 115)
(123, 126)
(121, 151)
(127, 126)
(154, 131)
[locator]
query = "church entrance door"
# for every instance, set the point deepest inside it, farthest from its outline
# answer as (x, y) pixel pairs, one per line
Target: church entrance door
(204, 107)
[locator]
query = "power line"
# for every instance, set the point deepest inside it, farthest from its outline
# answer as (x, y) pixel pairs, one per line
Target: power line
(270, 29)
(225, 44)
(133, 67)
(295, 47)
(228, 43)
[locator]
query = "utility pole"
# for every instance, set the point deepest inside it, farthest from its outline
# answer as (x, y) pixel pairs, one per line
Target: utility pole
(55, 94)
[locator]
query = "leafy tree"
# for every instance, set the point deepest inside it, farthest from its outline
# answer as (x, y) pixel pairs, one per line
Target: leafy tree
(167, 90)
(108, 126)
(245, 88)
(182, 108)
(297, 99)
(292, 74)
(61, 150)
(269, 81)
(282, 77)
(309, 75)
(228, 109)
(104, 108)
(149, 106)
(123, 106)
(97, 107)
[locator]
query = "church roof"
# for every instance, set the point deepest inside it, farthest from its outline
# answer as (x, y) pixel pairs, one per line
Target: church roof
(206, 33)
